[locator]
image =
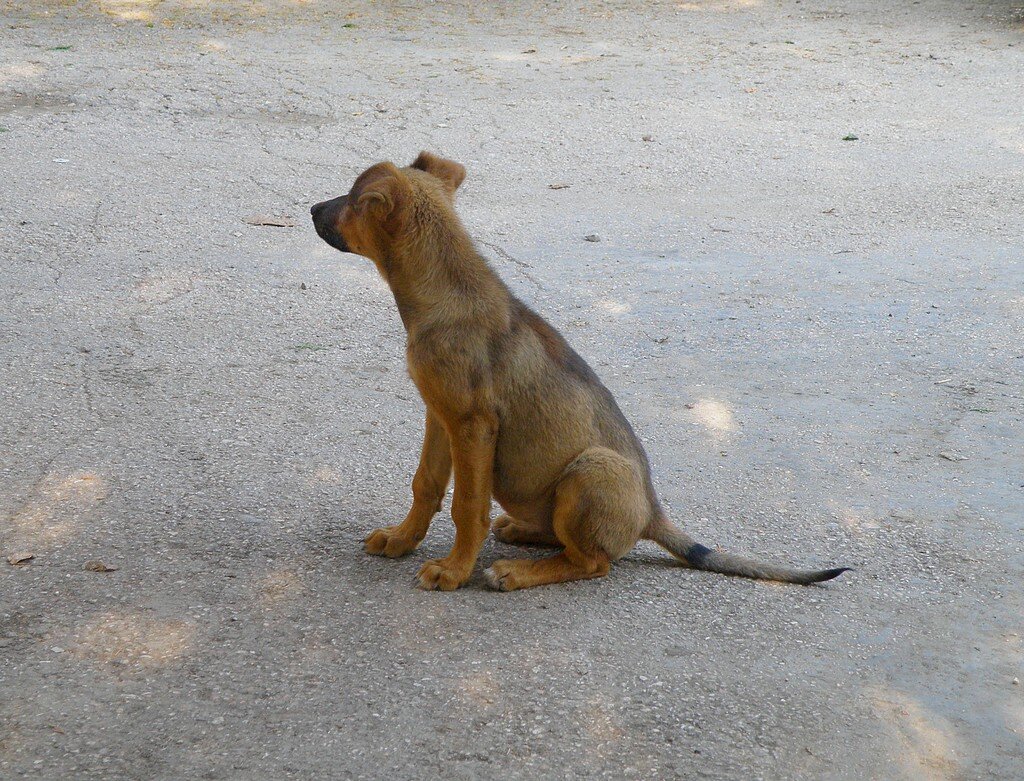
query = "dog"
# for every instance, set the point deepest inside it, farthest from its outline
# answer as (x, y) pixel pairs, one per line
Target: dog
(511, 408)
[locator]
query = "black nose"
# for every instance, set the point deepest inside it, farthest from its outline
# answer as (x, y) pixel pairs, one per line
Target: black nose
(324, 215)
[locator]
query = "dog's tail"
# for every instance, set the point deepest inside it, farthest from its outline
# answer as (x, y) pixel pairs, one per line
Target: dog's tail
(693, 554)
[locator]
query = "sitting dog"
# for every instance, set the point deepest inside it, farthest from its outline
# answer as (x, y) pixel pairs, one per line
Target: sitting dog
(511, 408)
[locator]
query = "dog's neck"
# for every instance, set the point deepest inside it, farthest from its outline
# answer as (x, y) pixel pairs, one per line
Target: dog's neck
(441, 278)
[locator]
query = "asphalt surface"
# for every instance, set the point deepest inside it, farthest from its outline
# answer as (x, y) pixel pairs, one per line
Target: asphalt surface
(820, 341)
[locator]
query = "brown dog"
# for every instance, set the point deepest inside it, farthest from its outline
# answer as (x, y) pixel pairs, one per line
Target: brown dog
(511, 407)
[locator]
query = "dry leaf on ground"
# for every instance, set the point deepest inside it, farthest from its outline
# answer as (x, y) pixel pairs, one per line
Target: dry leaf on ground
(272, 222)
(95, 565)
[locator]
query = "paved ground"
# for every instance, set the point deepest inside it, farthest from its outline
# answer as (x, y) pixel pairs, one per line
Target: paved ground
(820, 340)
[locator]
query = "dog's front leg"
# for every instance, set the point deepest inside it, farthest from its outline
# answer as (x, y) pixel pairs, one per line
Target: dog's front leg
(428, 489)
(472, 441)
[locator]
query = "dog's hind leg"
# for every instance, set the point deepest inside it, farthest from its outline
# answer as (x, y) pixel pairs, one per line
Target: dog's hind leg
(600, 511)
(516, 532)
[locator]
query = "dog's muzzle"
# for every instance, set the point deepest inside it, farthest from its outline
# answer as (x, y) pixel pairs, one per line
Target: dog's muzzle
(325, 218)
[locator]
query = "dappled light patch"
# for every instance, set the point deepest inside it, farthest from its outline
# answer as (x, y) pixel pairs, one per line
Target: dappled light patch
(163, 287)
(481, 689)
(129, 10)
(603, 729)
(855, 520)
(716, 416)
(53, 514)
(214, 45)
(926, 742)
(132, 639)
(36, 526)
(14, 72)
(614, 307)
(148, 11)
(326, 475)
(718, 6)
(279, 587)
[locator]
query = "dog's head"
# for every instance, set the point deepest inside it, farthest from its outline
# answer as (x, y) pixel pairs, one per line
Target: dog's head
(377, 212)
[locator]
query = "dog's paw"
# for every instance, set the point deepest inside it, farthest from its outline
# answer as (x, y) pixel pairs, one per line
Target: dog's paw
(501, 575)
(501, 522)
(440, 575)
(504, 528)
(389, 542)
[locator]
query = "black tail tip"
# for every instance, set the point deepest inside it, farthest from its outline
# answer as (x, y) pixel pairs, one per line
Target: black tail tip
(829, 574)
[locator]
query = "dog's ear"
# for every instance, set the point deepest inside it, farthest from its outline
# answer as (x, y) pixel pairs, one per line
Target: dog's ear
(384, 191)
(448, 171)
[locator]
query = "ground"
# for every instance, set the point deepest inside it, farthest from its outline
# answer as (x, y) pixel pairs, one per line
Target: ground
(806, 291)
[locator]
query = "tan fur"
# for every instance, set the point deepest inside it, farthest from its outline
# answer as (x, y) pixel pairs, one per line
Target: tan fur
(511, 408)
